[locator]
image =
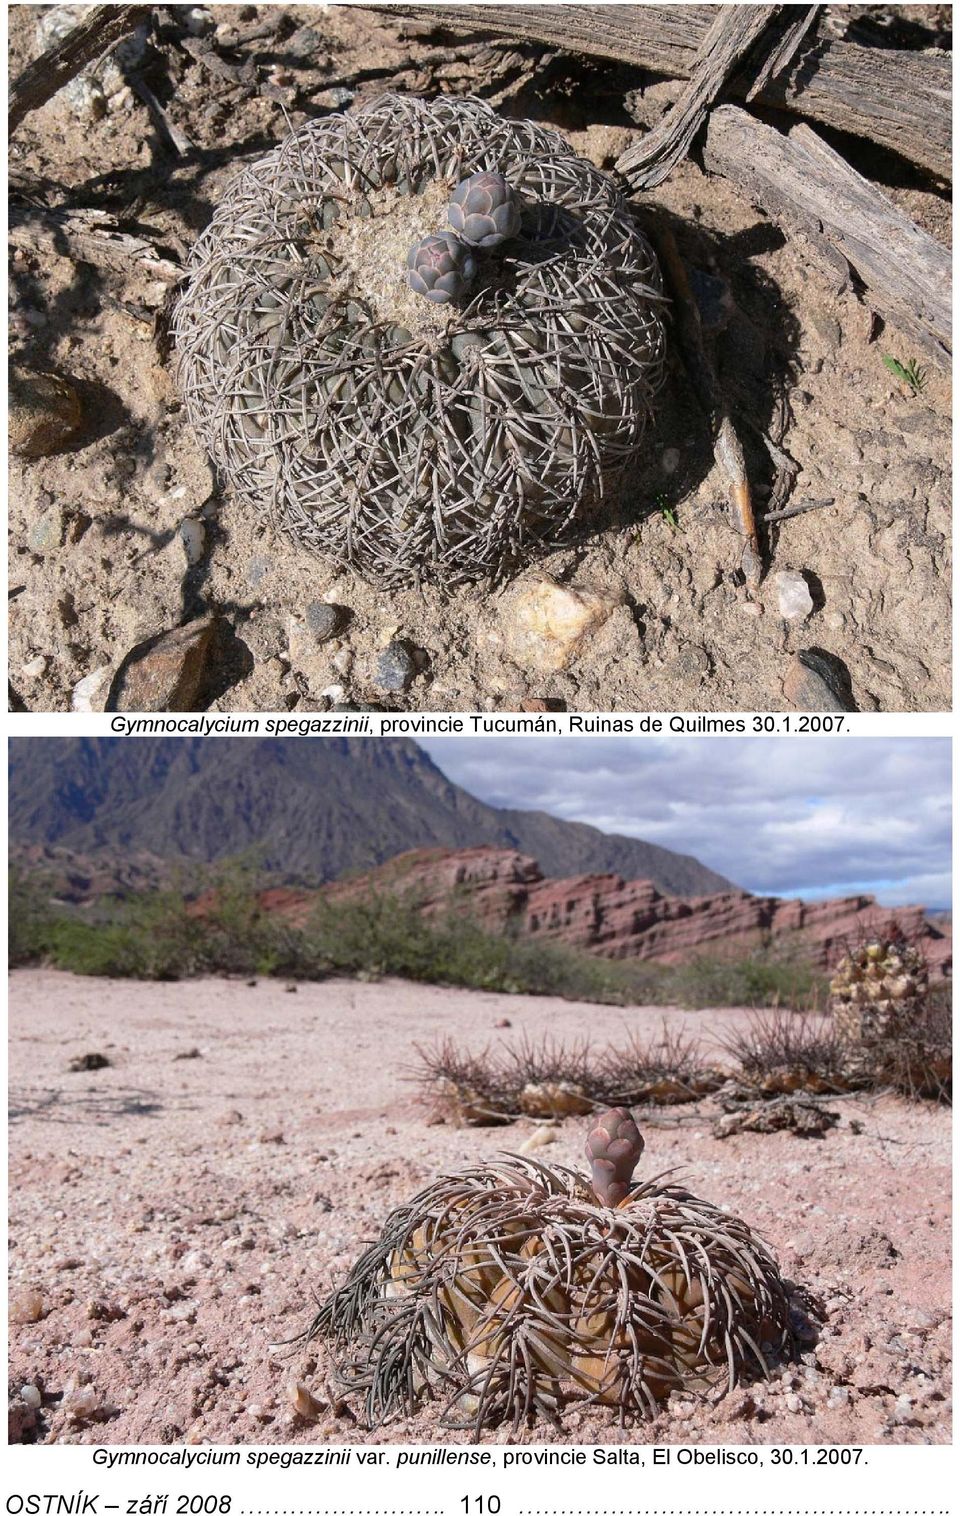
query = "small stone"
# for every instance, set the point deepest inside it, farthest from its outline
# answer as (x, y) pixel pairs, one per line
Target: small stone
(26, 1306)
(502, 1022)
(544, 623)
(84, 1338)
(793, 595)
(44, 413)
(540, 1137)
(333, 692)
(395, 668)
(751, 608)
(90, 692)
(343, 661)
(82, 1403)
(793, 1403)
(304, 1403)
(45, 533)
(35, 667)
(817, 681)
(258, 569)
(165, 674)
(323, 620)
(88, 1063)
(839, 1395)
(193, 535)
(670, 460)
(31, 1396)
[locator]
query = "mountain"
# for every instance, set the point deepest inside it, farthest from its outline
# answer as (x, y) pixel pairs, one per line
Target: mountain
(311, 809)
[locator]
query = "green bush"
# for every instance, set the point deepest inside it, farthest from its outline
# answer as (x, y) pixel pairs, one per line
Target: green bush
(160, 935)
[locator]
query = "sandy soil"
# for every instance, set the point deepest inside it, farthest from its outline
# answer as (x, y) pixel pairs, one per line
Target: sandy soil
(172, 1215)
(98, 563)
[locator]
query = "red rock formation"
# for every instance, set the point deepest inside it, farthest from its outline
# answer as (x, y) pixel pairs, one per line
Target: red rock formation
(620, 918)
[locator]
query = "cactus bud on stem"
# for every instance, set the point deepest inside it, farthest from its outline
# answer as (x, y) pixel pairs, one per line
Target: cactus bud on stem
(613, 1148)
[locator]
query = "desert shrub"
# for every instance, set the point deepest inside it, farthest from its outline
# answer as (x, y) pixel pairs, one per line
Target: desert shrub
(756, 981)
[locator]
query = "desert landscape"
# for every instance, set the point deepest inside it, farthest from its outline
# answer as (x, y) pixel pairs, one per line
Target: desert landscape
(176, 1212)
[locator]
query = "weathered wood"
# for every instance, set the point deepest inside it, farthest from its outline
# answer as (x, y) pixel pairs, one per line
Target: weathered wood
(41, 79)
(808, 188)
(90, 237)
(896, 98)
(736, 29)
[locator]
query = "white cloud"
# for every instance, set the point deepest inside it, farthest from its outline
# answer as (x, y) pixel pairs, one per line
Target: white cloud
(808, 816)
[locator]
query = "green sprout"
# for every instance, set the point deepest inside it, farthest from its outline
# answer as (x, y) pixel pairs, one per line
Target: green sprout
(910, 373)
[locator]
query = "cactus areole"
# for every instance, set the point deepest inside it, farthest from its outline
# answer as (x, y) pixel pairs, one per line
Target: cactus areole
(517, 1289)
(450, 417)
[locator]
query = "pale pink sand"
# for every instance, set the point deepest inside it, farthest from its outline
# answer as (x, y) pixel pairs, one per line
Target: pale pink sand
(178, 1216)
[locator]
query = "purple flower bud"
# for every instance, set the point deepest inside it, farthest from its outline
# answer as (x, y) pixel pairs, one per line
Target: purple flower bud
(440, 267)
(484, 210)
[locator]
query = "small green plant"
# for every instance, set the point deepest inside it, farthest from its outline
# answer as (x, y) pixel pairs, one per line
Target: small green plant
(910, 374)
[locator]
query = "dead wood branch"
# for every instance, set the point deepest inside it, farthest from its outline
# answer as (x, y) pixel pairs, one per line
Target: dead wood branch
(728, 450)
(90, 237)
(92, 38)
(733, 34)
(899, 99)
(808, 189)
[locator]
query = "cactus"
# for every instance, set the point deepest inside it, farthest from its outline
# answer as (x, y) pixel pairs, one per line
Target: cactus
(484, 210)
(878, 990)
(440, 268)
(404, 436)
(518, 1289)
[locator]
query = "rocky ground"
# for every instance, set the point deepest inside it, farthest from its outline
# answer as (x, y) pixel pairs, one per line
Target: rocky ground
(122, 536)
(176, 1212)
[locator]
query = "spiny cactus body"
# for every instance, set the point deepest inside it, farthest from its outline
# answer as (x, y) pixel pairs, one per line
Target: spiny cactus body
(406, 437)
(877, 991)
(517, 1289)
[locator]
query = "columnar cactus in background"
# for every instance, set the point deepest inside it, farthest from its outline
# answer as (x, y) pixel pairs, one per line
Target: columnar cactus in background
(878, 990)
(450, 426)
(518, 1289)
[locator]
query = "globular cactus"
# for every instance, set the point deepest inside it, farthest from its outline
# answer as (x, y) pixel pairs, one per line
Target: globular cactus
(405, 437)
(441, 268)
(878, 990)
(484, 210)
(517, 1289)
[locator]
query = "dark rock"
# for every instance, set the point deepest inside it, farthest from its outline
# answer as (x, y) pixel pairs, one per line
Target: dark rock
(395, 668)
(165, 673)
(85, 1063)
(818, 681)
(44, 413)
(325, 620)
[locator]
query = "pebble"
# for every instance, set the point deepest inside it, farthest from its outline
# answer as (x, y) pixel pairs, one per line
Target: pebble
(26, 1306)
(81, 1403)
(793, 1403)
(44, 412)
(670, 460)
(35, 667)
(813, 683)
(751, 608)
(258, 568)
(31, 1396)
(333, 692)
(793, 595)
(323, 620)
(395, 668)
(166, 674)
(544, 623)
(88, 689)
(839, 1395)
(193, 535)
(45, 533)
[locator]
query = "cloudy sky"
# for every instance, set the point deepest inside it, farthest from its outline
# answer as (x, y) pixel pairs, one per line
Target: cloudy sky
(809, 816)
